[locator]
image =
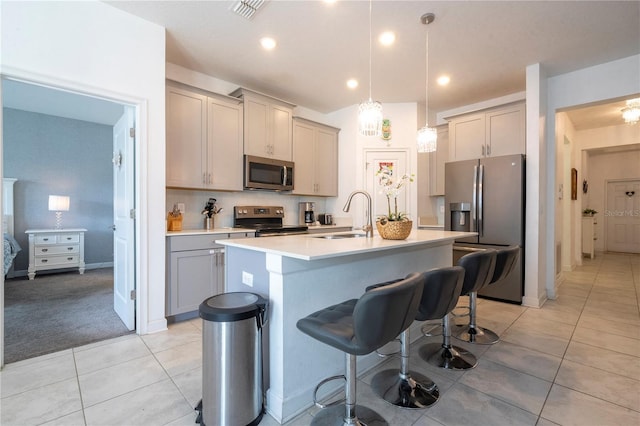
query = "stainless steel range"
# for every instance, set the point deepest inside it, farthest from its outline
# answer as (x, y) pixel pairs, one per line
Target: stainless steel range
(266, 220)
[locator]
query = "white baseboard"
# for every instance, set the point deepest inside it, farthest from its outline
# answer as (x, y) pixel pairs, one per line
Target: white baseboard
(23, 272)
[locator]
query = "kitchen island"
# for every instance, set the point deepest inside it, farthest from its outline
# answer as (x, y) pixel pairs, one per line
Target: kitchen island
(304, 273)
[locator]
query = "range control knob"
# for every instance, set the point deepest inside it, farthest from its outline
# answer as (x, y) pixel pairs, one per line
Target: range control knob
(244, 211)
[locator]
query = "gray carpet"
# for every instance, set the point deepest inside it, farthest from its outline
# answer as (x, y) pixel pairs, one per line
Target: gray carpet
(58, 311)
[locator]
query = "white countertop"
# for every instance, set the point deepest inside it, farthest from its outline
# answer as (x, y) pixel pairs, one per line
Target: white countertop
(311, 247)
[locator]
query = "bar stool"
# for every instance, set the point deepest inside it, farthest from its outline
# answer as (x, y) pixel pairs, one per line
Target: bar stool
(472, 333)
(478, 267)
(359, 327)
(409, 389)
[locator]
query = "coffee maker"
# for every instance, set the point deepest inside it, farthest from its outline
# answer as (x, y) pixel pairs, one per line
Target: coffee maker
(306, 214)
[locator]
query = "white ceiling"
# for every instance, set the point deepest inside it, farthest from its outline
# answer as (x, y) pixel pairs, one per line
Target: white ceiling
(484, 46)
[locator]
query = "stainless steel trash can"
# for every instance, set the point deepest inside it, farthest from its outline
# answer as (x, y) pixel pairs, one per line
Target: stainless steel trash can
(232, 393)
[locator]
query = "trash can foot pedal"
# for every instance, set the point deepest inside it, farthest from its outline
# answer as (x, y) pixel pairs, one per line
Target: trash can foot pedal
(199, 410)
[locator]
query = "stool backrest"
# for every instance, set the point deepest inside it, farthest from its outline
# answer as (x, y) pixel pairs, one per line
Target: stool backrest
(505, 262)
(442, 289)
(478, 269)
(381, 314)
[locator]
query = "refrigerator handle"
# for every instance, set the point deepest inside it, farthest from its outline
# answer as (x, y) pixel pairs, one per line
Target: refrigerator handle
(474, 198)
(480, 200)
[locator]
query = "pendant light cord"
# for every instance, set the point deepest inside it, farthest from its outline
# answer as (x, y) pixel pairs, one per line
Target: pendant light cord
(426, 87)
(370, 35)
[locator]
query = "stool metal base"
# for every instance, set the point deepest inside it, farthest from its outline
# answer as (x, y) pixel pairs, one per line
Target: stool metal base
(478, 335)
(414, 391)
(334, 416)
(452, 357)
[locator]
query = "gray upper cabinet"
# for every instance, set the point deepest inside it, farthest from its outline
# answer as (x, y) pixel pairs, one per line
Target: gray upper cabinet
(204, 140)
(315, 154)
(490, 133)
(267, 125)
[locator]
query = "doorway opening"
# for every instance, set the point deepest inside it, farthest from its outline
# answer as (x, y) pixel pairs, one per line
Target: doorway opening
(92, 161)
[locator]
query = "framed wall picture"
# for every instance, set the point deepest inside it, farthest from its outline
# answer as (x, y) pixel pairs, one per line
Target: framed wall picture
(574, 184)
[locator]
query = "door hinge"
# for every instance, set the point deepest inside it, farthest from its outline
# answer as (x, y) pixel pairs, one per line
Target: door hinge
(132, 132)
(132, 213)
(133, 295)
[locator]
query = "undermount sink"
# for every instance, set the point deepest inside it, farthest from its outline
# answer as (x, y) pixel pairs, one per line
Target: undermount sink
(340, 236)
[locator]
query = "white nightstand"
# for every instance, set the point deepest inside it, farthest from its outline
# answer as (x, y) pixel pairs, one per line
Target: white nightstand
(55, 249)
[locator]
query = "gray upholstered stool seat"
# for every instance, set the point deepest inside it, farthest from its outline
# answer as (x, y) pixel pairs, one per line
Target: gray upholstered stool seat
(359, 327)
(478, 270)
(409, 389)
(473, 333)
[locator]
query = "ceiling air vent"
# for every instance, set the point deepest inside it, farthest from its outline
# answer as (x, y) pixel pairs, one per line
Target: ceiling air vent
(247, 8)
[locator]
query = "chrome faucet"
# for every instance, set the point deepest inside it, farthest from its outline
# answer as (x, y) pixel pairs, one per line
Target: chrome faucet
(368, 228)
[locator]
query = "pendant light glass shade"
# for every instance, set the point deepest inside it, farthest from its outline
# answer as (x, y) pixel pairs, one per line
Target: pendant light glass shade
(370, 112)
(631, 114)
(427, 139)
(370, 118)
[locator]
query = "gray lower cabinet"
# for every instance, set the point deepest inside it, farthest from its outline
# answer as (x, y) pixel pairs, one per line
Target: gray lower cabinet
(195, 270)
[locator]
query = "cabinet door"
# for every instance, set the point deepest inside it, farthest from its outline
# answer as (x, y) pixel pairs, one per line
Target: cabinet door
(506, 131)
(224, 145)
(303, 153)
(466, 137)
(194, 278)
(326, 170)
(186, 138)
(256, 127)
(281, 139)
(436, 163)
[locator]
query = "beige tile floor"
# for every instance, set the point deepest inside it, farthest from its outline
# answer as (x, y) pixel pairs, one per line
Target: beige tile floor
(575, 361)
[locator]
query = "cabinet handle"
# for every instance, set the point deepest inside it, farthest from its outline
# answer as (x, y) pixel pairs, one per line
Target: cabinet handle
(483, 150)
(204, 178)
(69, 258)
(488, 150)
(44, 250)
(69, 238)
(44, 260)
(69, 248)
(45, 239)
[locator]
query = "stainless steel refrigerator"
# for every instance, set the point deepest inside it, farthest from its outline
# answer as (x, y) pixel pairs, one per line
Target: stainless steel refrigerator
(487, 196)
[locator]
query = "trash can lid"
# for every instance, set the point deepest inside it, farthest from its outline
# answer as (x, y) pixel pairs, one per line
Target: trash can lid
(227, 307)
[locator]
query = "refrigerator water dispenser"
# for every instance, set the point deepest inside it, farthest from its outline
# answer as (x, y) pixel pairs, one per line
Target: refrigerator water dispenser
(460, 217)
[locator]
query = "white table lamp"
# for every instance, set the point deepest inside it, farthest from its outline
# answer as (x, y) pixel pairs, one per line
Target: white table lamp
(58, 204)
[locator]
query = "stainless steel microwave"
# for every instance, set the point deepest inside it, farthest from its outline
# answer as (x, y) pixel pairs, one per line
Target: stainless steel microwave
(267, 173)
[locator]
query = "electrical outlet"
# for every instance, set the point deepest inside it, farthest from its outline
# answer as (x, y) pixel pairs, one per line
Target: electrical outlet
(441, 209)
(247, 278)
(181, 207)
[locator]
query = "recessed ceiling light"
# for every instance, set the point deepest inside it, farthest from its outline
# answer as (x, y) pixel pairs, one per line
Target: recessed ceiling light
(268, 43)
(443, 80)
(352, 83)
(387, 38)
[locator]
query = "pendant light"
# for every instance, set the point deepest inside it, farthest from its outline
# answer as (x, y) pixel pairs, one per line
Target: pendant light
(427, 137)
(370, 112)
(631, 114)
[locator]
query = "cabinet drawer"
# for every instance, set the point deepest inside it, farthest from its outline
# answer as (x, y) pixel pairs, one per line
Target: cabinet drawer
(57, 239)
(195, 242)
(71, 260)
(58, 249)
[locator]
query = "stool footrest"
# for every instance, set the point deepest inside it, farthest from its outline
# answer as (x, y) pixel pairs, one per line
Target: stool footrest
(324, 382)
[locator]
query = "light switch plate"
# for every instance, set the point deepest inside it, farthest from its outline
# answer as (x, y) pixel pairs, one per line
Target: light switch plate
(247, 278)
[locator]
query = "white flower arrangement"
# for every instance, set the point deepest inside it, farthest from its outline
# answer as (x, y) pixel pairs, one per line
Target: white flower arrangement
(391, 189)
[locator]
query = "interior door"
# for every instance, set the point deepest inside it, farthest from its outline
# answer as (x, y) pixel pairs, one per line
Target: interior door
(397, 162)
(123, 216)
(622, 216)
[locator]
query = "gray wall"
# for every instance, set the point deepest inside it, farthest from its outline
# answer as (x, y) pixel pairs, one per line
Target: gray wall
(60, 156)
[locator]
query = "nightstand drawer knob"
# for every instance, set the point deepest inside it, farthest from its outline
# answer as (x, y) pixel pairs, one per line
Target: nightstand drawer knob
(44, 260)
(44, 250)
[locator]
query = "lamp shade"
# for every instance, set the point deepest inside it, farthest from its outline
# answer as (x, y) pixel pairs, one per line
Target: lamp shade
(59, 203)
